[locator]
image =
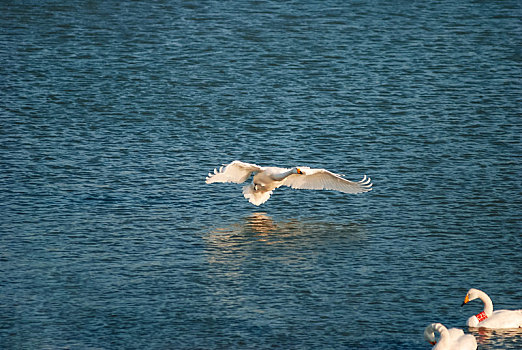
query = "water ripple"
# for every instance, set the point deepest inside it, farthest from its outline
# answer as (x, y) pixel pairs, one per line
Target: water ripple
(113, 112)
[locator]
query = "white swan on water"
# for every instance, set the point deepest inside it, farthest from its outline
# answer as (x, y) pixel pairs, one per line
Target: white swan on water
(489, 318)
(450, 339)
(267, 179)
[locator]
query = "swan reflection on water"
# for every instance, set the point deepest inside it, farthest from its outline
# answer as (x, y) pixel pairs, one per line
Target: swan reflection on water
(255, 227)
(260, 223)
(253, 237)
(510, 338)
(261, 227)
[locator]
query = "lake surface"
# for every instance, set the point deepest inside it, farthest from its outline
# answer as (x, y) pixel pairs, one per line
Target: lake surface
(112, 113)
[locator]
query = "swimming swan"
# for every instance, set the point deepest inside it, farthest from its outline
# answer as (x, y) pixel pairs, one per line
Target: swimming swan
(267, 179)
(488, 318)
(452, 339)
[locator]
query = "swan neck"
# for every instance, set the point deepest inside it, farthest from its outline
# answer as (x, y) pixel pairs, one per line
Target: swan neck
(283, 175)
(488, 304)
(443, 331)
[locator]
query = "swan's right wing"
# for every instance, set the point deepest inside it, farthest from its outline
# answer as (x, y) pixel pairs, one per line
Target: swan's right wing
(236, 171)
(322, 179)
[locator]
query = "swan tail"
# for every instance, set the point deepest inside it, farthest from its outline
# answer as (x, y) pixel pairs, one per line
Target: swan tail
(255, 197)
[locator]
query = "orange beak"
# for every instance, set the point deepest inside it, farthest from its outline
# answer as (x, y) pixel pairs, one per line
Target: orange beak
(466, 300)
(299, 171)
(433, 342)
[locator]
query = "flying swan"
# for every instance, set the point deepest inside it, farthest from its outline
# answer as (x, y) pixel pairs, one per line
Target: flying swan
(450, 339)
(488, 318)
(267, 179)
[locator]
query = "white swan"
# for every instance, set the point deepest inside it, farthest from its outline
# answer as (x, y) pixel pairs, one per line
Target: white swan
(489, 318)
(452, 339)
(267, 179)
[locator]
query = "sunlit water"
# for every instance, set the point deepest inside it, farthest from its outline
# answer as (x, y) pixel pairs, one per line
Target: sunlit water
(113, 112)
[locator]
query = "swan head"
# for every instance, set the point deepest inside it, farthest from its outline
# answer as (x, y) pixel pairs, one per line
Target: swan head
(429, 335)
(471, 295)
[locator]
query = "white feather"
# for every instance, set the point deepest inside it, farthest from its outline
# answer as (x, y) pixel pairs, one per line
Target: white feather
(321, 179)
(236, 172)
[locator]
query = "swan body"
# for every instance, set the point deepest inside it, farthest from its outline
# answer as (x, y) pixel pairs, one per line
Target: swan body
(267, 179)
(450, 339)
(489, 318)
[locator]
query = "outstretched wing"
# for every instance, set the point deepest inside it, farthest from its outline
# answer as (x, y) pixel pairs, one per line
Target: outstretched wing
(321, 179)
(236, 172)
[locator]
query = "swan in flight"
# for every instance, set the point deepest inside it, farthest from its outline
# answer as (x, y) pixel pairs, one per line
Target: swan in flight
(488, 318)
(450, 339)
(267, 179)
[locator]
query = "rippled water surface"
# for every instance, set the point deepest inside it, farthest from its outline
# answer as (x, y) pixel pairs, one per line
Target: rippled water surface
(113, 112)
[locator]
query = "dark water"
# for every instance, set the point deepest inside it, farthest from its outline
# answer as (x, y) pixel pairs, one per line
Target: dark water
(113, 112)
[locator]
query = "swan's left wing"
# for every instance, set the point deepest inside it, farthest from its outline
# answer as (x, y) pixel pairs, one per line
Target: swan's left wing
(322, 179)
(236, 171)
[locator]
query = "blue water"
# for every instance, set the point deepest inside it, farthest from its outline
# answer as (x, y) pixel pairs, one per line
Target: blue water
(112, 113)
